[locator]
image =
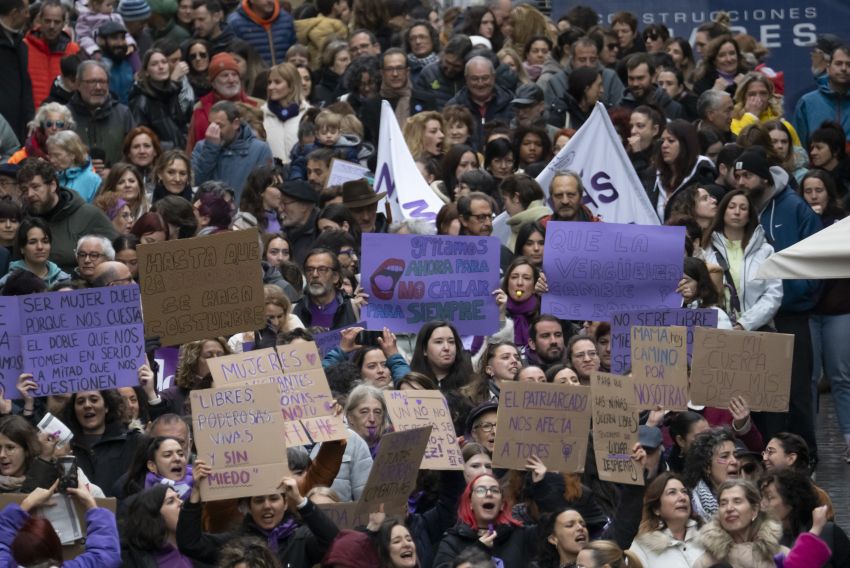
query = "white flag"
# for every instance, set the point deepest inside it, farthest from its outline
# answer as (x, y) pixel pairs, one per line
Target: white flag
(612, 189)
(409, 195)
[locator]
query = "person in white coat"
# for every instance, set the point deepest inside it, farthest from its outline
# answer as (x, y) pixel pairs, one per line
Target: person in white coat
(283, 110)
(737, 243)
(667, 537)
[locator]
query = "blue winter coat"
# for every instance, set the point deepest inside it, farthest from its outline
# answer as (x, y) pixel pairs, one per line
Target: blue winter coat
(230, 163)
(787, 219)
(102, 545)
(819, 105)
(271, 45)
(82, 179)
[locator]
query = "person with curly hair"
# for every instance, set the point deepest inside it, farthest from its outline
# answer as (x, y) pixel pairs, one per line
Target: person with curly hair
(709, 462)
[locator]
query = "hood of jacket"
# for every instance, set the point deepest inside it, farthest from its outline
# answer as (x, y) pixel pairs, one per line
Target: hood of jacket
(658, 541)
(54, 273)
(82, 109)
(717, 542)
(534, 211)
(70, 174)
(348, 140)
(243, 139)
(69, 202)
(780, 181)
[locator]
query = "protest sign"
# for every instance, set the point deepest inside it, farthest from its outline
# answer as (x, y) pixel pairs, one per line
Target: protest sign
(595, 269)
(306, 403)
(396, 173)
(393, 475)
(349, 515)
(615, 428)
(330, 339)
(11, 361)
(88, 339)
(414, 279)
(549, 421)
(612, 188)
(343, 171)
(414, 409)
(238, 431)
(621, 322)
(659, 367)
(202, 287)
(752, 364)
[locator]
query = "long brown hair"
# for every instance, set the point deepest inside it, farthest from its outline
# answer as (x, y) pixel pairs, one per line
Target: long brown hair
(719, 224)
(651, 521)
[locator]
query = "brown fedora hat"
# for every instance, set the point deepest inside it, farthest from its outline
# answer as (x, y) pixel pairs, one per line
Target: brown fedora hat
(357, 193)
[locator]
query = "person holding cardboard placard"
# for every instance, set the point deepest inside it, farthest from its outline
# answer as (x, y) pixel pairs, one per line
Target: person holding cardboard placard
(698, 291)
(296, 542)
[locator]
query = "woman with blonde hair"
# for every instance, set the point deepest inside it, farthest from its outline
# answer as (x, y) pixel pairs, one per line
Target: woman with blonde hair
(279, 317)
(282, 112)
(70, 156)
(125, 180)
(606, 553)
(511, 58)
(755, 102)
(528, 22)
(424, 134)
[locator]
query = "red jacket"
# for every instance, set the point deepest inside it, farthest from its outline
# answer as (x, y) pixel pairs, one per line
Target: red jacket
(201, 115)
(44, 62)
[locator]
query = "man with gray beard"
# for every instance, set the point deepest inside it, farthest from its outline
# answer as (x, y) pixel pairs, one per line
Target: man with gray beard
(323, 304)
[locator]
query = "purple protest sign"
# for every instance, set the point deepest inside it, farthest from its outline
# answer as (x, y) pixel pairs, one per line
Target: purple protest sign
(413, 279)
(10, 346)
(622, 322)
(82, 340)
(166, 360)
(596, 269)
(330, 339)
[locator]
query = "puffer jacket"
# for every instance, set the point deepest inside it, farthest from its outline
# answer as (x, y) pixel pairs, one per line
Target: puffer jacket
(760, 299)
(432, 90)
(350, 481)
(758, 553)
(159, 108)
(44, 61)
(660, 549)
(271, 38)
(316, 32)
(103, 127)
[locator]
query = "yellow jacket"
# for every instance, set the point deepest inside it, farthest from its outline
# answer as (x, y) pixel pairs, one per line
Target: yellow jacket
(316, 32)
(738, 124)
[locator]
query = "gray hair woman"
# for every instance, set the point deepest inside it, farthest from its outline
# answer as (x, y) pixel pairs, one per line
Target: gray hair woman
(366, 413)
(70, 156)
(49, 119)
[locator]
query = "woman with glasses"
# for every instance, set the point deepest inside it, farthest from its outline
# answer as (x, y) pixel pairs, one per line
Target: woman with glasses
(49, 119)
(117, 210)
(198, 56)
(33, 242)
(584, 357)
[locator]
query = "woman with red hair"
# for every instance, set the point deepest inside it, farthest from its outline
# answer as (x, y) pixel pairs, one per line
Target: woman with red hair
(30, 540)
(485, 522)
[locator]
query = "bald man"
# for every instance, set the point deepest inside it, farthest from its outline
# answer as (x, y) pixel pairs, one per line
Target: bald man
(111, 273)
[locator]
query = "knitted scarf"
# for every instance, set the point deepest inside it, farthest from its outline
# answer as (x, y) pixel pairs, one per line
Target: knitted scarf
(183, 487)
(281, 532)
(284, 113)
(520, 311)
(9, 483)
(417, 63)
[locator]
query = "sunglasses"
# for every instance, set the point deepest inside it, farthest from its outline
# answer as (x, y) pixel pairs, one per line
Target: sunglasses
(52, 123)
(652, 36)
(198, 55)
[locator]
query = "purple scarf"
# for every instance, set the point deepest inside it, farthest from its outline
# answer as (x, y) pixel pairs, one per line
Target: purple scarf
(279, 533)
(170, 556)
(183, 487)
(521, 311)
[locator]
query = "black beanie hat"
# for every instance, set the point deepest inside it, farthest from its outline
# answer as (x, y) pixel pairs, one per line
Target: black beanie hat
(754, 160)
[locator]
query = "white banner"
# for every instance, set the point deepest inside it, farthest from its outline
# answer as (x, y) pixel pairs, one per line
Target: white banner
(409, 195)
(612, 189)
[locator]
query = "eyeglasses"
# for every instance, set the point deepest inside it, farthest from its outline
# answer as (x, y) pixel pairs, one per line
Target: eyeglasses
(586, 355)
(7, 182)
(323, 270)
(485, 427)
(52, 123)
(769, 452)
(203, 55)
(612, 46)
(121, 281)
(95, 256)
(396, 69)
(482, 217)
(95, 82)
(347, 252)
(482, 491)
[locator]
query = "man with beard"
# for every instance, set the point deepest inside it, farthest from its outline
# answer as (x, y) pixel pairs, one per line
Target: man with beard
(112, 40)
(546, 345)
(440, 81)
(47, 43)
(226, 86)
(67, 215)
(566, 192)
(102, 122)
(642, 89)
(323, 305)
(298, 208)
(362, 202)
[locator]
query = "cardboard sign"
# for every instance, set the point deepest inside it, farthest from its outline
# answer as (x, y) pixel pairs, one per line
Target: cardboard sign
(74, 341)
(329, 339)
(343, 171)
(238, 432)
(621, 323)
(306, 403)
(202, 287)
(596, 269)
(545, 420)
(615, 428)
(660, 367)
(751, 364)
(414, 279)
(393, 475)
(414, 409)
(351, 515)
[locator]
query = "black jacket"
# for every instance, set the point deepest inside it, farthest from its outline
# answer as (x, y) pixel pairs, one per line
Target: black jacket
(499, 107)
(305, 547)
(327, 88)
(343, 316)
(158, 107)
(514, 545)
(660, 98)
(103, 127)
(432, 90)
(301, 237)
(16, 104)
(109, 457)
